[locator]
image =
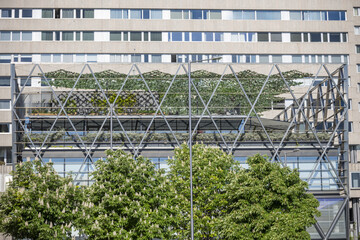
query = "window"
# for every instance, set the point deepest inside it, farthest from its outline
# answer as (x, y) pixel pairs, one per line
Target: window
(356, 11)
(315, 37)
(88, 13)
(357, 30)
(176, 36)
(295, 15)
(80, 58)
(15, 36)
(355, 180)
(276, 37)
(336, 16)
(88, 36)
(4, 104)
(358, 68)
(268, 15)
(4, 81)
(6, 13)
(311, 15)
(295, 37)
(276, 58)
(47, 13)
(135, 36)
(56, 58)
(68, 36)
(68, 13)
(156, 36)
(92, 58)
(156, 14)
(335, 58)
(135, 14)
(5, 58)
(136, 58)
(176, 14)
(195, 14)
(115, 36)
(5, 36)
(116, 13)
(67, 58)
(17, 13)
(219, 37)
(4, 127)
(27, 13)
(155, 58)
(26, 58)
(263, 58)
(357, 48)
(325, 37)
(27, 36)
(196, 36)
(47, 36)
(45, 57)
(334, 37)
(263, 37)
(209, 36)
(296, 59)
(146, 14)
(215, 14)
(23, 81)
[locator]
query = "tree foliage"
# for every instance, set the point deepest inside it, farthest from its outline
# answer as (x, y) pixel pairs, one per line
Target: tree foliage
(39, 204)
(267, 201)
(211, 167)
(128, 200)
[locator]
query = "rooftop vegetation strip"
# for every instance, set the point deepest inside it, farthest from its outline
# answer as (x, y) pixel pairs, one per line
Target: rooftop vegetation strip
(228, 95)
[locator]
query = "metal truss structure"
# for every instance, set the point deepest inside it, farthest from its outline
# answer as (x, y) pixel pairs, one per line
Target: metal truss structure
(309, 133)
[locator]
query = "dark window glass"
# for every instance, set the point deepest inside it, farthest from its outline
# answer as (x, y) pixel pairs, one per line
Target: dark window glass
(146, 36)
(196, 36)
(57, 36)
(263, 37)
(306, 37)
(209, 36)
(6, 13)
(176, 36)
(276, 58)
(295, 37)
(78, 13)
(173, 58)
(68, 36)
(196, 14)
(47, 13)
(4, 127)
(276, 37)
(136, 58)
(146, 14)
(325, 37)
(17, 13)
(23, 81)
(344, 37)
(26, 59)
(357, 48)
(88, 13)
(67, 13)
(4, 81)
(335, 37)
(156, 36)
(57, 13)
(27, 13)
(176, 14)
(126, 36)
(88, 36)
(135, 36)
(115, 36)
(4, 104)
(315, 37)
(334, 16)
(47, 36)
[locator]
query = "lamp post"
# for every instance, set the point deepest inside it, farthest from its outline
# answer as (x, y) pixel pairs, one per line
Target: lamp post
(285, 155)
(190, 145)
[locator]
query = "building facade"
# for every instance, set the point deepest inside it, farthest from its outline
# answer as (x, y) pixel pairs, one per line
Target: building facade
(159, 35)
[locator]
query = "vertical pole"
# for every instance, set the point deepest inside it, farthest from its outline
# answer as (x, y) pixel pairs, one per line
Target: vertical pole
(285, 160)
(345, 152)
(111, 125)
(13, 122)
(190, 157)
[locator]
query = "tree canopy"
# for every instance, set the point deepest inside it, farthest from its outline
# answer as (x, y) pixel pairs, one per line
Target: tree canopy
(39, 204)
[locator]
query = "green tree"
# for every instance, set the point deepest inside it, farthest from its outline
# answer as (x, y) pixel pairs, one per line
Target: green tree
(39, 204)
(211, 167)
(267, 201)
(128, 200)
